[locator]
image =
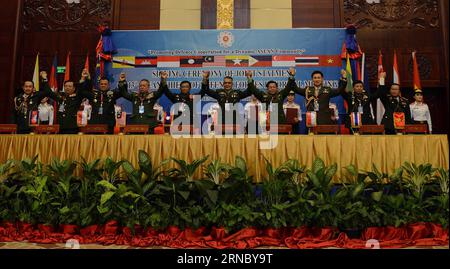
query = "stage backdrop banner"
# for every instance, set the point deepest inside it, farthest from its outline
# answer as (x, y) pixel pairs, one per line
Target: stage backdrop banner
(185, 54)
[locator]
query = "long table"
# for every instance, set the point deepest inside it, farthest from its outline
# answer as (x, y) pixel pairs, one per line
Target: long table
(386, 152)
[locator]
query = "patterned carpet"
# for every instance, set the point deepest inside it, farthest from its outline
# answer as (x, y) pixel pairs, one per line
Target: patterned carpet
(25, 245)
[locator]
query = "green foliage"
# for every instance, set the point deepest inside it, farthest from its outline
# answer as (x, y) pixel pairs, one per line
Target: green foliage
(417, 176)
(86, 193)
(217, 171)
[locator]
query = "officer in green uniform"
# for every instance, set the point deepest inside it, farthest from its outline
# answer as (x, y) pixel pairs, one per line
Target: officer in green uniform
(143, 101)
(183, 102)
(226, 98)
(393, 102)
(69, 102)
(24, 104)
(318, 96)
(271, 96)
(359, 101)
(103, 101)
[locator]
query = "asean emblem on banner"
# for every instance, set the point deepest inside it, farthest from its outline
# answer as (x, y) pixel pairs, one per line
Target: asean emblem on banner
(311, 119)
(399, 120)
(225, 39)
(355, 118)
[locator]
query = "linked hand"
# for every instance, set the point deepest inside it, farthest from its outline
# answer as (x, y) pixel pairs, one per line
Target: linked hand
(122, 77)
(206, 74)
(292, 71)
(43, 75)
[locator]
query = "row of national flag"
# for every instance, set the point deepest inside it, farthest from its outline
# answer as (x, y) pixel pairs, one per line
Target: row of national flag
(226, 61)
(52, 81)
(361, 74)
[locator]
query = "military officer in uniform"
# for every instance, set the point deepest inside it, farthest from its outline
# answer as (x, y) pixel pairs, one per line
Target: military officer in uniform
(143, 101)
(360, 101)
(24, 104)
(68, 102)
(183, 104)
(272, 96)
(226, 98)
(318, 96)
(393, 102)
(102, 102)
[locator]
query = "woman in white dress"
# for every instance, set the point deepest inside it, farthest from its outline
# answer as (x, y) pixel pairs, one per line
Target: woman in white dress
(45, 112)
(420, 113)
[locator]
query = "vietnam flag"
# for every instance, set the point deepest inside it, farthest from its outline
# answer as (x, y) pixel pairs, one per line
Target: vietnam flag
(416, 74)
(330, 60)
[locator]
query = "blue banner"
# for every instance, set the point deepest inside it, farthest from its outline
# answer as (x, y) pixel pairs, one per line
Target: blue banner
(186, 54)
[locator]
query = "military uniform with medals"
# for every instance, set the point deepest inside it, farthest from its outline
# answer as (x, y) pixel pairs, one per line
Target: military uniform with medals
(103, 106)
(360, 102)
(143, 103)
(318, 99)
(226, 100)
(24, 105)
(68, 106)
(391, 105)
(269, 99)
(181, 102)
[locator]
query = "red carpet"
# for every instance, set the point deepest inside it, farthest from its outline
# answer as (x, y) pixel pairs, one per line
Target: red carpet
(415, 235)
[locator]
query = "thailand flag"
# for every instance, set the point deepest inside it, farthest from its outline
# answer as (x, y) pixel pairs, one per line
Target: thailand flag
(311, 119)
(356, 119)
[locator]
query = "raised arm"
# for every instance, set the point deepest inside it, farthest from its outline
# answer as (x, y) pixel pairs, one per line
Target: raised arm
(251, 87)
(245, 94)
(248, 92)
(382, 90)
(162, 85)
(84, 87)
(171, 96)
(123, 88)
(292, 85)
(205, 87)
(45, 91)
(342, 85)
